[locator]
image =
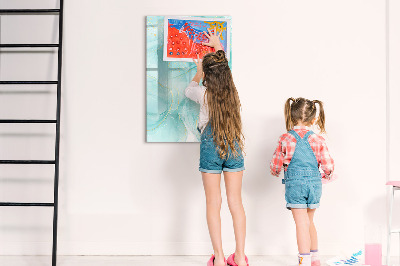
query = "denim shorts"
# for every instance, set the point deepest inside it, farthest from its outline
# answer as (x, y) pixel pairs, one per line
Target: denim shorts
(303, 193)
(211, 161)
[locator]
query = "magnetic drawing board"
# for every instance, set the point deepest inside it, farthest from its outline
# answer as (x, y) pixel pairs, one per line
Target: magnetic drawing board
(170, 116)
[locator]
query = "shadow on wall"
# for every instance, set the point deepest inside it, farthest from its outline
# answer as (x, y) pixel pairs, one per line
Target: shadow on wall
(263, 193)
(185, 184)
(375, 218)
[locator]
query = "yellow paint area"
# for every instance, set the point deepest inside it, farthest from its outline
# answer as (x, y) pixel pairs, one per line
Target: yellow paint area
(219, 26)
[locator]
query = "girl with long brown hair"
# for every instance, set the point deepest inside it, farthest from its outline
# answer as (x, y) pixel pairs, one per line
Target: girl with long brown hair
(221, 147)
(301, 153)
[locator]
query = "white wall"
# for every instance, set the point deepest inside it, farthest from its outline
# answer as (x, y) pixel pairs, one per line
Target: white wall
(394, 110)
(121, 195)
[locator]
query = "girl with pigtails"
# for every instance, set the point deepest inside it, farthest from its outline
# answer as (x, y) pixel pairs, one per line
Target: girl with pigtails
(302, 154)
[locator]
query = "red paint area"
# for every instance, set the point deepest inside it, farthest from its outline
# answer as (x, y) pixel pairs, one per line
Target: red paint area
(181, 46)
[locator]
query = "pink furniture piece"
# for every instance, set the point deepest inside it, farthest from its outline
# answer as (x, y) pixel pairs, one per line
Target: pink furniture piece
(394, 185)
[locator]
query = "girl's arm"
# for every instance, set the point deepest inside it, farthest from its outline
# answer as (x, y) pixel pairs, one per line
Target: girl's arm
(213, 39)
(277, 159)
(194, 91)
(327, 163)
(199, 73)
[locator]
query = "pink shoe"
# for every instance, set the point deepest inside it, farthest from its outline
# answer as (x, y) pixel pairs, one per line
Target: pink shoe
(231, 260)
(211, 261)
(316, 263)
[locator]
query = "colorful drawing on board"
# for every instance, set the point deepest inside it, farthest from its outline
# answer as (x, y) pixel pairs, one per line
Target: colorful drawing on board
(170, 116)
(184, 36)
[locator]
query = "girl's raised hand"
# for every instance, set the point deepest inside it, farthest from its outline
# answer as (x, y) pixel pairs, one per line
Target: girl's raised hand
(199, 64)
(213, 39)
(199, 73)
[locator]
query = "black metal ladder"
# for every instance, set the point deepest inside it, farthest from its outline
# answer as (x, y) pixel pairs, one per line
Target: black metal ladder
(57, 82)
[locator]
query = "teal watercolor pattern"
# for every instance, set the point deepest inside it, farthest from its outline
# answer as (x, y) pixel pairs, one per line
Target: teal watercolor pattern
(170, 116)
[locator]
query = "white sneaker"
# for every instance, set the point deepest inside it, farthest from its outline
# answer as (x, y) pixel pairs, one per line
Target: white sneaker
(304, 260)
(315, 259)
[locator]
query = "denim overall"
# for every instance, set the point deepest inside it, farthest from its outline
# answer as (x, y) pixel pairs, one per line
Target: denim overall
(211, 162)
(302, 181)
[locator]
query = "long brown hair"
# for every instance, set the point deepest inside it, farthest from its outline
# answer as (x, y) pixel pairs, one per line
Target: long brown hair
(223, 104)
(303, 110)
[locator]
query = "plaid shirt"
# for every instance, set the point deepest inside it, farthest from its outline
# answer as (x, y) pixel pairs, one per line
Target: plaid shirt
(287, 144)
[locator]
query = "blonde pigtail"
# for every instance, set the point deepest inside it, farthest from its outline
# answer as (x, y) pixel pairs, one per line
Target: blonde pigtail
(321, 116)
(288, 114)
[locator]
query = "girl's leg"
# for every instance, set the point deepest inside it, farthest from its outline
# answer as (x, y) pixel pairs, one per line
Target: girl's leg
(212, 188)
(233, 184)
(313, 231)
(315, 261)
(302, 221)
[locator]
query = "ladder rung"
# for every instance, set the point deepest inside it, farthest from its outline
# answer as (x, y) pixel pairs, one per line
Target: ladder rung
(27, 161)
(29, 82)
(28, 11)
(29, 204)
(33, 45)
(26, 121)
